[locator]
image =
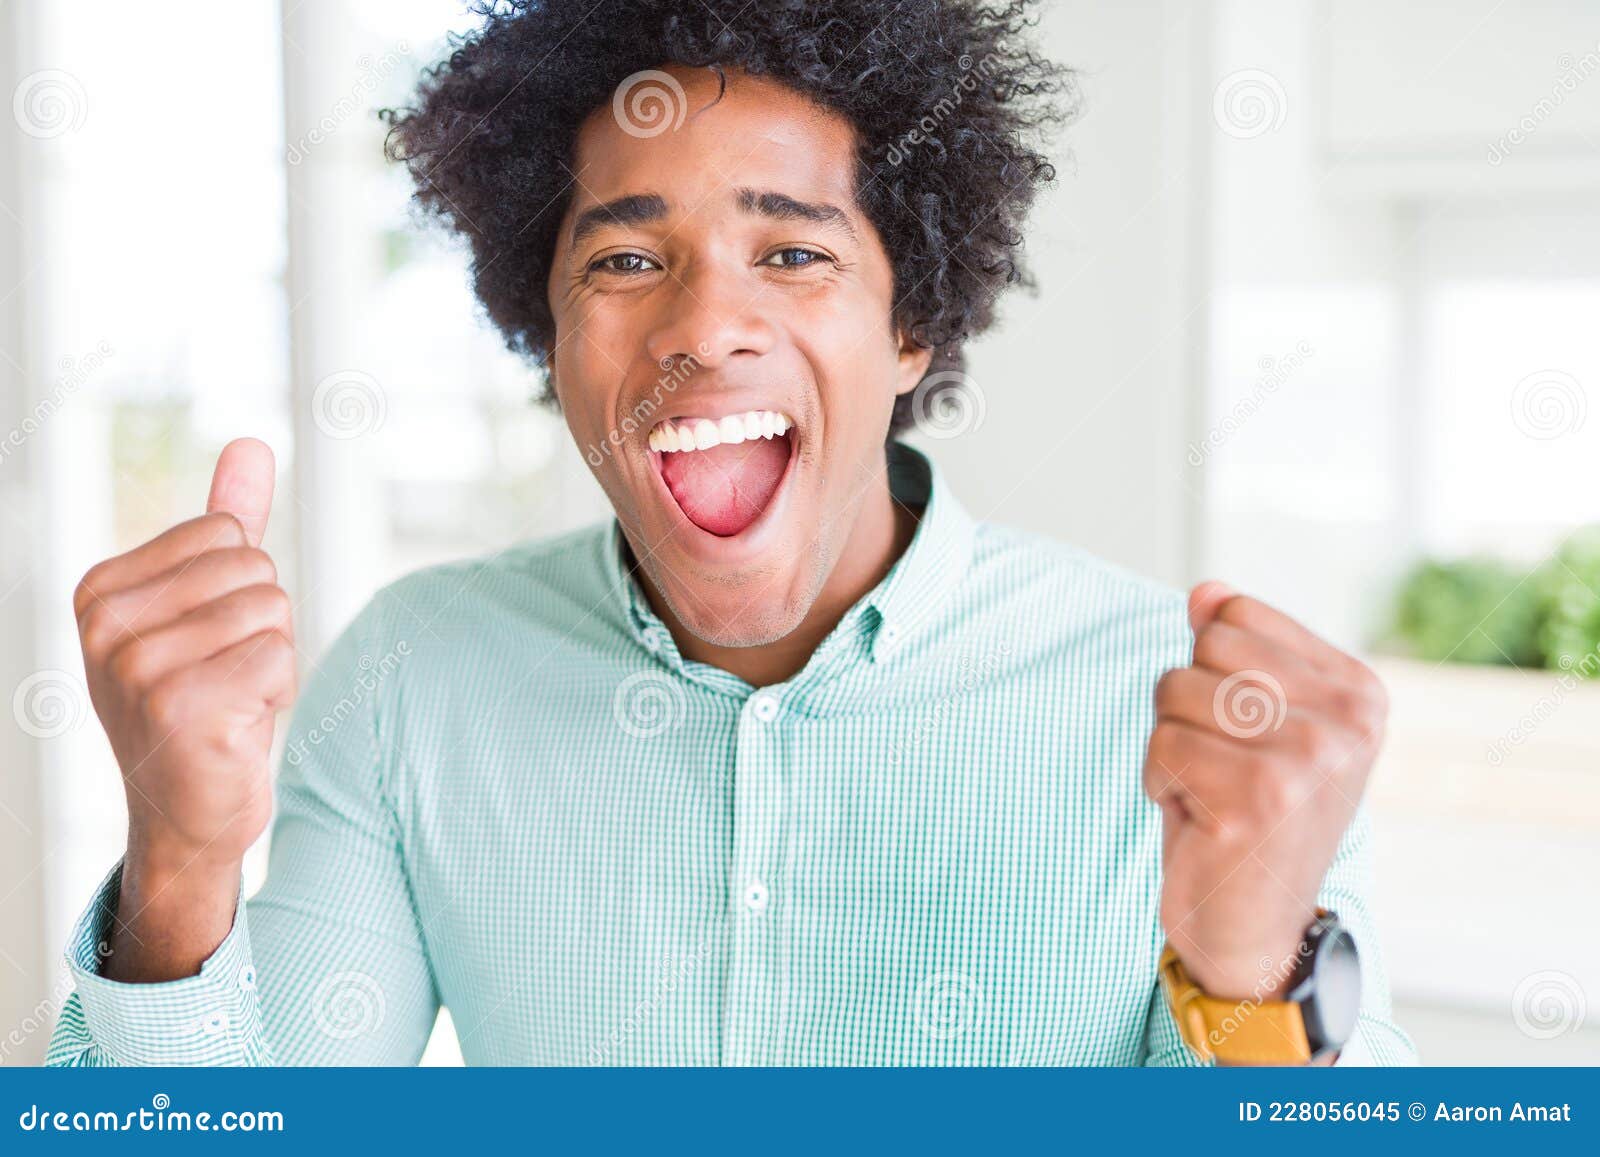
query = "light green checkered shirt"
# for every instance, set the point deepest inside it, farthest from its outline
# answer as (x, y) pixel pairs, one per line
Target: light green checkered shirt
(506, 792)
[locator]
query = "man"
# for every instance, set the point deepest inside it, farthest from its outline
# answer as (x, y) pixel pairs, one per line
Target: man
(796, 763)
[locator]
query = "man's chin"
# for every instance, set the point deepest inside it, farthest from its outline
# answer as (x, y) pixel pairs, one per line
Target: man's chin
(746, 612)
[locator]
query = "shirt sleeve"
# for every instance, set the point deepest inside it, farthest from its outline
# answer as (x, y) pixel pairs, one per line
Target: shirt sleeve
(326, 965)
(212, 1018)
(1377, 1040)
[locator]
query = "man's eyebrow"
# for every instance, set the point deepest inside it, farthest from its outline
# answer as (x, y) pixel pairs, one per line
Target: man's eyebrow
(782, 207)
(634, 209)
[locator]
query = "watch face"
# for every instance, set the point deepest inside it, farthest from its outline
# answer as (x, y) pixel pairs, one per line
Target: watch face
(1334, 1002)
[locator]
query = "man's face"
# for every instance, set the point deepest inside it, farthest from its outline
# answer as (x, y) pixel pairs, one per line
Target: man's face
(724, 354)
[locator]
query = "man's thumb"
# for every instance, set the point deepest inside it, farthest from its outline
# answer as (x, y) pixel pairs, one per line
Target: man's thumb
(242, 485)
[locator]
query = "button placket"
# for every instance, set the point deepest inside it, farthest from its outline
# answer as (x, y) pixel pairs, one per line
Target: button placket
(752, 1008)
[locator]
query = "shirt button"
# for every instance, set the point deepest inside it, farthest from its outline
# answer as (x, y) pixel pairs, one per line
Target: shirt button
(215, 1024)
(755, 896)
(764, 708)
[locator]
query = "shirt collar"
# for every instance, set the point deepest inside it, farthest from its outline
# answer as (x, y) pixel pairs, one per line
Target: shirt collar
(917, 586)
(907, 599)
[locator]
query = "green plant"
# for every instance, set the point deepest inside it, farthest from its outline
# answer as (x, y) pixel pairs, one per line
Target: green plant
(1568, 586)
(1470, 611)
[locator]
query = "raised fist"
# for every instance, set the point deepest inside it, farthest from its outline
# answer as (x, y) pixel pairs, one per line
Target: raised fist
(189, 653)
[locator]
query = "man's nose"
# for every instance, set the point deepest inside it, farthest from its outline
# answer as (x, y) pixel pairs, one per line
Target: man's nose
(709, 315)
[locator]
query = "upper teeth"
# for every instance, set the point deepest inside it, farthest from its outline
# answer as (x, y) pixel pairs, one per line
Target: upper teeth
(704, 433)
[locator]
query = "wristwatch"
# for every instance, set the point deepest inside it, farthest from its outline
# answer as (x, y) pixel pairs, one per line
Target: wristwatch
(1308, 1018)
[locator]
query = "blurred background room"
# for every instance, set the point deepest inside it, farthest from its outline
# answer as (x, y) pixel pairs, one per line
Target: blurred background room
(1318, 313)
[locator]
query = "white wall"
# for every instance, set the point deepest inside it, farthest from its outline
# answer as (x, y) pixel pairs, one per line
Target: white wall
(1087, 387)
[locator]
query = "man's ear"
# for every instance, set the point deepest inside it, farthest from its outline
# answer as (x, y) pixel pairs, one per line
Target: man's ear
(914, 362)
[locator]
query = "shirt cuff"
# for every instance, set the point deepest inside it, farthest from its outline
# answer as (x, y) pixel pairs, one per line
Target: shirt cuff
(195, 1020)
(1356, 1052)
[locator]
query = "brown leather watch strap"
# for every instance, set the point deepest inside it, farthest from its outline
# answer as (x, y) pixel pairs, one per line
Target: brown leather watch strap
(1234, 1032)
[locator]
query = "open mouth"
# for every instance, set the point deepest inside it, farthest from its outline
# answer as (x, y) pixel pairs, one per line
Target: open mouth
(723, 472)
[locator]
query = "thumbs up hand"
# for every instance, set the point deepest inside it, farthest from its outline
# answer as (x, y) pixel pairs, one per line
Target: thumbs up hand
(189, 653)
(1260, 753)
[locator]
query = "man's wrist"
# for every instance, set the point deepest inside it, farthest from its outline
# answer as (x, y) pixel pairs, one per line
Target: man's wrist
(1246, 976)
(169, 917)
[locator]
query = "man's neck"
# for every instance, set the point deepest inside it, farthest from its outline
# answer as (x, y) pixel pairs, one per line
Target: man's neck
(883, 530)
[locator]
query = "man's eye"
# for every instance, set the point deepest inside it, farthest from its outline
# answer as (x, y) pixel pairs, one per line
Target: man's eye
(623, 263)
(795, 257)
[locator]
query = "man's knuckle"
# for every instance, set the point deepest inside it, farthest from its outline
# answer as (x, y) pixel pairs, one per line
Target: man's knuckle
(166, 704)
(129, 665)
(90, 589)
(1167, 687)
(1158, 779)
(1164, 740)
(279, 650)
(1211, 647)
(224, 529)
(1240, 610)
(1345, 704)
(277, 604)
(97, 628)
(1374, 696)
(250, 566)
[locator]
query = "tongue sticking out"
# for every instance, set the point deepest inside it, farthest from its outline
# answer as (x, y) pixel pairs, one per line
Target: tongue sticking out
(725, 489)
